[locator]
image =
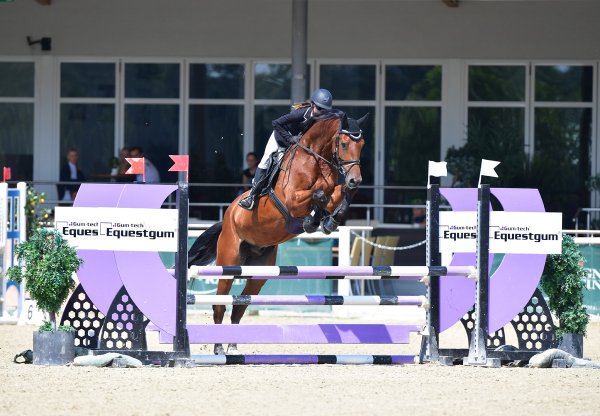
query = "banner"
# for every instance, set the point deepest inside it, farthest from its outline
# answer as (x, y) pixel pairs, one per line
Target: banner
(118, 229)
(510, 232)
(591, 291)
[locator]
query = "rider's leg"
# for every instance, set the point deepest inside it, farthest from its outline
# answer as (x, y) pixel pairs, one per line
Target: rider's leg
(272, 146)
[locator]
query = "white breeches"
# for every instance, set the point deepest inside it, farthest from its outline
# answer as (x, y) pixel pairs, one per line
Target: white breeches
(270, 148)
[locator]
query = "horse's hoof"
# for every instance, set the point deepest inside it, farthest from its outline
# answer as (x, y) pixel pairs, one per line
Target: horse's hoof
(308, 225)
(232, 349)
(329, 225)
(219, 350)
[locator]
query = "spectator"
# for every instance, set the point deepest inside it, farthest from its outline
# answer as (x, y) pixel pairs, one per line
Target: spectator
(124, 166)
(248, 174)
(70, 172)
(150, 171)
(419, 214)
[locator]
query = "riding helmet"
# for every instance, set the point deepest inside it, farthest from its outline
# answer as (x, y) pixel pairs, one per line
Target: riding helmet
(322, 98)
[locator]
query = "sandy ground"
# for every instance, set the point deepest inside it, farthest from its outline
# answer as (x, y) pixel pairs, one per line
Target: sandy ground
(296, 390)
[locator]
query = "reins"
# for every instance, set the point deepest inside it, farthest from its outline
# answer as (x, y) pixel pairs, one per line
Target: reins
(337, 162)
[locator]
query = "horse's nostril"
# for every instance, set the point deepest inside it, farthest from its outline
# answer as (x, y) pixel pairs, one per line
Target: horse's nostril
(353, 183)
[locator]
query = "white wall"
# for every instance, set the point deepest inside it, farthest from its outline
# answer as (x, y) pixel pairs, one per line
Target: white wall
(561, 29)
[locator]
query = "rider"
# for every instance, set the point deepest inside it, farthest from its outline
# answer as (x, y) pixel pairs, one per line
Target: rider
(287, 130)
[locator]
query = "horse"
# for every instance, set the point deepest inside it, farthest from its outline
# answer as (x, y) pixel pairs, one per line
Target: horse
(309, 188)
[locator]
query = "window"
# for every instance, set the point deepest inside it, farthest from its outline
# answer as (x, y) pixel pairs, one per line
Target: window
(91, 80)
(87, 115)
(272, 81)
(412, 126)
(89, 128)
(354, 91)
(496, 121)
(272, 94)
(16, 118)
(263, 117)
(216, 132)
(154, 128)
(149, 80)
(497, 83)
(563, 117)
(556, 118)
(217, 81)
(349, 82)
(152, 112)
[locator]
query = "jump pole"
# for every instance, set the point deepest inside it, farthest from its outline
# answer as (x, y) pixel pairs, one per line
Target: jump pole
(329, 272)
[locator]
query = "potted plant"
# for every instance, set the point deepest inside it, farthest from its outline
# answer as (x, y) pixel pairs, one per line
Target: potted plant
(47, 264)
(562, 282)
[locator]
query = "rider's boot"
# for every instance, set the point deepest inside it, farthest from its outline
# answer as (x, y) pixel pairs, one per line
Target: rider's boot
(248, 202)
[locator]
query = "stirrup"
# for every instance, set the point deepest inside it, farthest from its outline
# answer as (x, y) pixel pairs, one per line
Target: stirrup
(247, 203)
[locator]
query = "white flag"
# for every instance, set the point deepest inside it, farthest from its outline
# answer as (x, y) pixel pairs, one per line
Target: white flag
(437, 169)
(487, 168)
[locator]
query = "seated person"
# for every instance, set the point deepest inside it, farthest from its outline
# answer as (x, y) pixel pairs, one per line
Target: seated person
(150, 172)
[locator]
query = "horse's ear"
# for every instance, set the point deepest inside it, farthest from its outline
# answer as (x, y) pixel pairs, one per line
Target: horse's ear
(364, 118)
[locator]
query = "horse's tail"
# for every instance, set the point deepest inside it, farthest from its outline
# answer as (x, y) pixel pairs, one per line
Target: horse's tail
(204, 249)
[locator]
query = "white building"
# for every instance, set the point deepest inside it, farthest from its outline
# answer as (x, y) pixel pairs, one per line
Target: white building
(206, 77)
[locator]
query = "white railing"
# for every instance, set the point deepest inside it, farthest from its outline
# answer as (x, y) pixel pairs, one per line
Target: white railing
(584, 237)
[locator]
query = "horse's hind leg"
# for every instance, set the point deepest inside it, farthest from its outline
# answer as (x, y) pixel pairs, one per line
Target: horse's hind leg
(267, 258)
(223, 288)
(228, 254)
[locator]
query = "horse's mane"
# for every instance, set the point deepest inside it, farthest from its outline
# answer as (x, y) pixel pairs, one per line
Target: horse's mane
(334, 113)
(323, 121)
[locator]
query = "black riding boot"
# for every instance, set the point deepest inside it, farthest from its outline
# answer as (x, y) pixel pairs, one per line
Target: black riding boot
(248, 202)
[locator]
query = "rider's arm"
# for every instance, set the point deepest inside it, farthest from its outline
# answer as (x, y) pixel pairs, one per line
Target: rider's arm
(287, 126)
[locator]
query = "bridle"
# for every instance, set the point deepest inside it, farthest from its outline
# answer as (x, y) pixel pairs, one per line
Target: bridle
(337, 162)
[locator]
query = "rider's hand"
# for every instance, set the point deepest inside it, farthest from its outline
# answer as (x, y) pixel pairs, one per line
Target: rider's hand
(295, 139)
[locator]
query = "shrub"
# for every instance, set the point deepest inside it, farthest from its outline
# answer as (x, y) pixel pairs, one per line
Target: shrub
(562, 282)
(47, 264)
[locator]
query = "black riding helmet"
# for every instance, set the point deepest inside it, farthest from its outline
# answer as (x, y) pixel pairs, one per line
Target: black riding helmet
(322, 98)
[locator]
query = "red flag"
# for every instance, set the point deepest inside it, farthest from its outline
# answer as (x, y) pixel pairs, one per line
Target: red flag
(137, 166)
(182, 164)
(6, 174)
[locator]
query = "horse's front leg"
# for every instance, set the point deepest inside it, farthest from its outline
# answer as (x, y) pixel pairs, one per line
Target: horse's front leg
(311, 221)
(339, 204)
(223, 288)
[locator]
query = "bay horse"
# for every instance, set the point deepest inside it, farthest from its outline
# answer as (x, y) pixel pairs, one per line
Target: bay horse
(308, 186)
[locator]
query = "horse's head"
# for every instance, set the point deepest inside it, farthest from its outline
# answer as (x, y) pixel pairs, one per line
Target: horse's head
(348, 145)
(337, 139)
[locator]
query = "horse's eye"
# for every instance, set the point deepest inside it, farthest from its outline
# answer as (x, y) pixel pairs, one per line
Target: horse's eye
(344, 146)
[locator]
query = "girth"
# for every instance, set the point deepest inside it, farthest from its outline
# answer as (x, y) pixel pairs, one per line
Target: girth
(292, 225)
